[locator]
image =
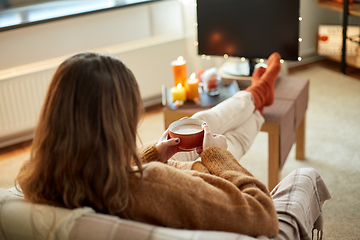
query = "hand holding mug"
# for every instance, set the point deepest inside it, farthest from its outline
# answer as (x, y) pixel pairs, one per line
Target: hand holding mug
(167, 147)
(182, 135)
(211, 139)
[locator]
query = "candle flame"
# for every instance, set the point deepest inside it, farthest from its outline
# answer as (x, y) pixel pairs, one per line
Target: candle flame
(180, 58)
(192, 76)
(179, 86)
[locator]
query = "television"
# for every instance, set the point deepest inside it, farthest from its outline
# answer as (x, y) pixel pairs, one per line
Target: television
(248, 29)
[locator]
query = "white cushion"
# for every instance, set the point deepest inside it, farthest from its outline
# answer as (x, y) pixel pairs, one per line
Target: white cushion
(104, 227)
(20, 219)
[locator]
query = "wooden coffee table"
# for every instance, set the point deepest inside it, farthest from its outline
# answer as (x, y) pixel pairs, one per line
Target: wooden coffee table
(284, 119)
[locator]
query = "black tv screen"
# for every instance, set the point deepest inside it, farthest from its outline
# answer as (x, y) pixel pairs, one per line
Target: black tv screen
(248, 28)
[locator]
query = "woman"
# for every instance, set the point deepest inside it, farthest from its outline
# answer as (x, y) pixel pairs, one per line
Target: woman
(84, 154)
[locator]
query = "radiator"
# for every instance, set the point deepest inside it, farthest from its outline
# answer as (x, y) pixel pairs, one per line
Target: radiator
(23, 88)
(22, 92)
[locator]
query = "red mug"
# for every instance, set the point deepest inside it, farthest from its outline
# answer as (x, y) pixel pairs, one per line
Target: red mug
(189, 131)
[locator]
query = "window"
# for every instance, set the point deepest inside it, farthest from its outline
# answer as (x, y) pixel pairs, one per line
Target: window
(22, 13)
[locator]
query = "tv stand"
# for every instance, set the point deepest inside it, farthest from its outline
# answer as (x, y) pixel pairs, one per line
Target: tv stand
(243, 68)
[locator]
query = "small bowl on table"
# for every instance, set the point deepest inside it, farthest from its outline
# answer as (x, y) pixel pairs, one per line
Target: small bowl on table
(189, 131)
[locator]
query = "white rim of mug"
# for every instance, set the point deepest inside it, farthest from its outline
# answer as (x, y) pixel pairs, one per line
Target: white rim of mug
(186, 121)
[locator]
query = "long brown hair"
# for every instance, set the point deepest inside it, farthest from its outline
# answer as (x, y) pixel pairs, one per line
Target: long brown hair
(86, 136)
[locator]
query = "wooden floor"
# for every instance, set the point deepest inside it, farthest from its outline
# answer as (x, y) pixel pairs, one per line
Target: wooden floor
(9, 151)
(326, 63)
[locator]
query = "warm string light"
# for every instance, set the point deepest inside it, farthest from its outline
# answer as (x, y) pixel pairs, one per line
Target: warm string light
(196, 43)
(205, 57)
(300, 39)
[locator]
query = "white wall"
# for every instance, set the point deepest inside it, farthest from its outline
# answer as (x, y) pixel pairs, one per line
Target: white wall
(68, 36)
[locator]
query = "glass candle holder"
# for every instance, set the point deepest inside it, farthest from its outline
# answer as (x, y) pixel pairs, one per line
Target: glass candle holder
(212, 85)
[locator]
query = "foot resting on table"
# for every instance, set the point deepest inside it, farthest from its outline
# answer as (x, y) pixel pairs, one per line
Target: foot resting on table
(263, 82)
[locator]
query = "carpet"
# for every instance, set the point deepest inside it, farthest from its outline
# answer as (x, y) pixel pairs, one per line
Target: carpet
(332, 148)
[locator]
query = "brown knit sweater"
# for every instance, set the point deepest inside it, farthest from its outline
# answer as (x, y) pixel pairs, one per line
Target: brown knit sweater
(214, 194)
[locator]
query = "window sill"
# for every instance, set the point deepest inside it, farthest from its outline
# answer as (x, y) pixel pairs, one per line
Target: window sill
(19, 17)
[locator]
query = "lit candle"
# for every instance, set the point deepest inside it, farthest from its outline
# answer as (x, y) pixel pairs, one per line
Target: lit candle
(192, 87)
(178, 93)
(179, 71)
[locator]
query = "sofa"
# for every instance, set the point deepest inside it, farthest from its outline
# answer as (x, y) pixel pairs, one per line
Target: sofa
(20, 219)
